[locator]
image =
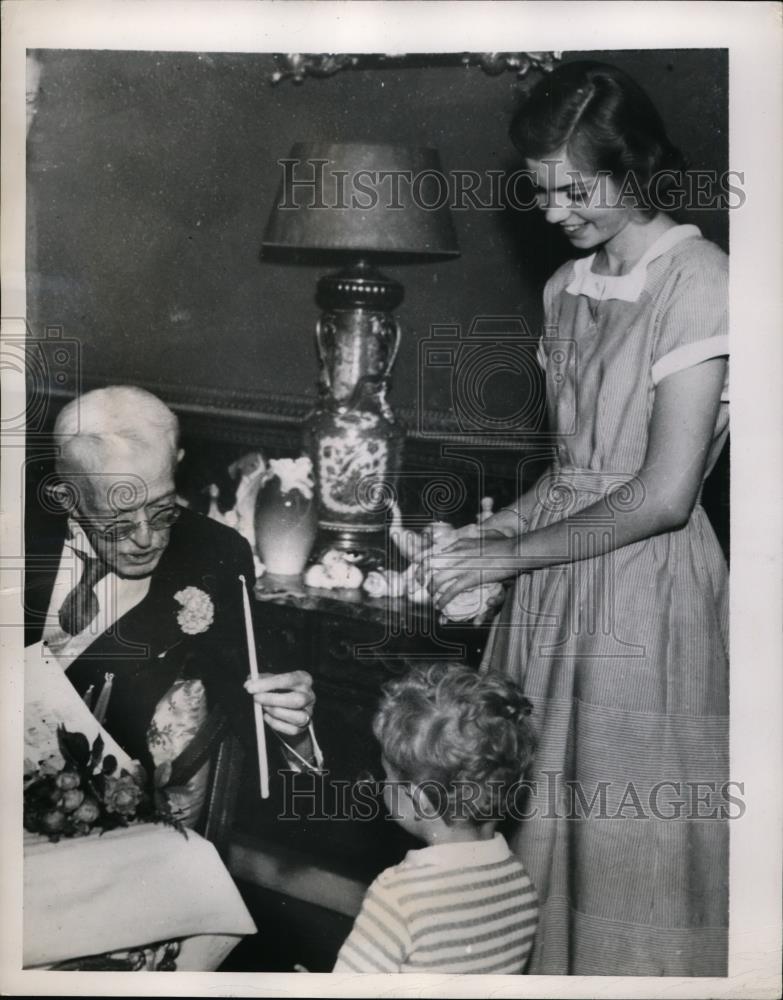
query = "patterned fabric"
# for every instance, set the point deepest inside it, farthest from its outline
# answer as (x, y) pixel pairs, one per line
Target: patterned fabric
(625, 655)
(178, 717)
(464, 908)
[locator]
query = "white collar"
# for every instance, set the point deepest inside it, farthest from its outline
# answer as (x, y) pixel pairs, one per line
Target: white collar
(78, 540)
(461, 854)
(627, 287)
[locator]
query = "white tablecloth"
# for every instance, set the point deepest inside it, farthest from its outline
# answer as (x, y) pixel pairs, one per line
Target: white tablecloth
(128, 888)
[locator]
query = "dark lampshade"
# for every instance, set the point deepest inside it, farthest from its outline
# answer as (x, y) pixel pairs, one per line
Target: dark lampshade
(364, 199)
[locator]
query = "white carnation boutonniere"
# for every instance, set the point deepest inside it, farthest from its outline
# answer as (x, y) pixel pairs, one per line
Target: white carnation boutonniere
(197, 612)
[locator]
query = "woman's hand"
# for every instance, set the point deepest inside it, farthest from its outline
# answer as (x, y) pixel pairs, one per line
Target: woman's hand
(467, 563)
(287, 700)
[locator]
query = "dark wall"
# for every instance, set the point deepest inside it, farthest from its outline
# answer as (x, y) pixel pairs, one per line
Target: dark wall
(151, 176)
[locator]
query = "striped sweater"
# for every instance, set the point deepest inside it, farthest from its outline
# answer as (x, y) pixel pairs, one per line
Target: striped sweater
(463, 907)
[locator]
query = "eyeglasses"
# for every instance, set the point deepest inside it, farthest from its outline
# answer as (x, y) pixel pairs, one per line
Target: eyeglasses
(118, 531)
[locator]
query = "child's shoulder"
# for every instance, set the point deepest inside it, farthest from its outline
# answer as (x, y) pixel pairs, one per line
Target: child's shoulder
(402, 872)
(411, 870)
(394, 883)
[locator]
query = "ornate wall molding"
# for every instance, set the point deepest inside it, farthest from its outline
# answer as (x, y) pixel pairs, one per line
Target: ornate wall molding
(297, 66)
(241, 414)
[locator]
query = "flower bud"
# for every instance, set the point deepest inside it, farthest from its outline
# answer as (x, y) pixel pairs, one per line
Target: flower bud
(87, 812)
(124, 799)
(122, 795)
(67, 780)
(72, 799)
(53, 821)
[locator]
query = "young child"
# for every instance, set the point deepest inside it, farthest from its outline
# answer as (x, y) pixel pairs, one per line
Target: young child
(454, 744)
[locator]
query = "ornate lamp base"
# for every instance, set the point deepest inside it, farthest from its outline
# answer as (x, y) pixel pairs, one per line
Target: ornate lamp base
(353, 437)
(368, 548)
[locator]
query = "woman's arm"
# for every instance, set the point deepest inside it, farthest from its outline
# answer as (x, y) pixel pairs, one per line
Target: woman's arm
(514, 519)
(509, 521)
(681, 431)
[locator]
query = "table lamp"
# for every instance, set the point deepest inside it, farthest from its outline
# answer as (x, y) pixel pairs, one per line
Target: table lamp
(360, 205)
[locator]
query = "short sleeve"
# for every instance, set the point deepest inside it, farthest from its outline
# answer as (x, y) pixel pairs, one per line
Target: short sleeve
(693, 325)
(380, 940)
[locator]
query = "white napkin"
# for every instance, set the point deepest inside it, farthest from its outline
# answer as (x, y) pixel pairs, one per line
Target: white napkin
(127, 888)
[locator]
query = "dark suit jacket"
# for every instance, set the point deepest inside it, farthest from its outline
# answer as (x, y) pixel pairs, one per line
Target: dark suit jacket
(146, 649)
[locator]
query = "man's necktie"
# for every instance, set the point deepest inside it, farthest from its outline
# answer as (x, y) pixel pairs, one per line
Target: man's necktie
(81, 605)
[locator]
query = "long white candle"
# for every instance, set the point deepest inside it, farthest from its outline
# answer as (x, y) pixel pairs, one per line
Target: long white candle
(263, 764)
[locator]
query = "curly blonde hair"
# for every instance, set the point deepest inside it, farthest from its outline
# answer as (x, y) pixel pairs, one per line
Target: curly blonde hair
(468, 732)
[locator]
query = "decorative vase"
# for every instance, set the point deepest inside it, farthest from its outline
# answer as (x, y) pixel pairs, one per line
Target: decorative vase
(353, 437)
(286, 517)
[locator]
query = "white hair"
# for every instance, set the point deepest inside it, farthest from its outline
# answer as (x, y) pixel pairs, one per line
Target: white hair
(119, 418)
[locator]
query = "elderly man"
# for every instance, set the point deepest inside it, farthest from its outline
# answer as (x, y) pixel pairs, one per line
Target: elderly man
(148, 593)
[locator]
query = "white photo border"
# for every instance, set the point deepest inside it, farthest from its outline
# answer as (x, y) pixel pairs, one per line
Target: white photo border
(752, 34)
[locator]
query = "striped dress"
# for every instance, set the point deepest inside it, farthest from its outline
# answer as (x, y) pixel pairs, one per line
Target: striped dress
(625, 655)
(464, 908)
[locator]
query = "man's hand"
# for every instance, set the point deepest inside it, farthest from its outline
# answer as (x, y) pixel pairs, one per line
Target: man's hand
(287, 700)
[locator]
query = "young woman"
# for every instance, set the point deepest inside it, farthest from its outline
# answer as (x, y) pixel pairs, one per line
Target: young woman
(616, 623)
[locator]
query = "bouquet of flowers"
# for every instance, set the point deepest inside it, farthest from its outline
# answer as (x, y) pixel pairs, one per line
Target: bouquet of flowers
(79, 791)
